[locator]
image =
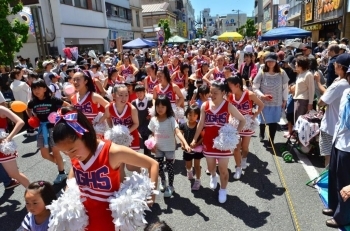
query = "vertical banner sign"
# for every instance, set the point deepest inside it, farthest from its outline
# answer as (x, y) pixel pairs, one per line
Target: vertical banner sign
(283, 15)
(26, 15)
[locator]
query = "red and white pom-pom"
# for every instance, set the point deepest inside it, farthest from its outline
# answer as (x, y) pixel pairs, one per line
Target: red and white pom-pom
(129, 204)
(102, 127)
(227, 139)
(68, 212)
(3, 134)
(150, 143)
(8, 147)
(178, 112)
(119, 134)
(152, 111)
(249, 125)
(184, 92)
(109, 93)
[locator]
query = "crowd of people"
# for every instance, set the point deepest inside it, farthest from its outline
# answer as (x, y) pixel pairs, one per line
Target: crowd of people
(214, 83)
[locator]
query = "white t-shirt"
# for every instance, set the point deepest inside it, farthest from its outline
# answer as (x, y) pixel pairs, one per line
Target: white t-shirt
(341, 137)
(332, 98)
(240, 57)
(56, 90)
(164, 133)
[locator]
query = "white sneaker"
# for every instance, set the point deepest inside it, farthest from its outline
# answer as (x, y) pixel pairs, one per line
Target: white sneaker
(238, 173)
(222, 196)
(213, 181)
(244, 163)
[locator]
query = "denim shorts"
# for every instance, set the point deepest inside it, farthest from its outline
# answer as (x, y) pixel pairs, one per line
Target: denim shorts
(40, 139)
(169, 155)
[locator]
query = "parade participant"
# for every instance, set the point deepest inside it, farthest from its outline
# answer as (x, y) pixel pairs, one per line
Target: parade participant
(86, 100)
(97, 76)
(151, 79)
(175, 65)
(199, 58)
(95, 157)
(243, 100)
(180, 77)
(131, 91)
(165, 61)
(41, 105)
(9, 161)
(38, 195)
(200, 72)
(217, 72)
(113, 78)
(166, 87)
(203, 95)
(215, 114)
(194, 157)
(142, 104)
(164, 128)
(127, 70)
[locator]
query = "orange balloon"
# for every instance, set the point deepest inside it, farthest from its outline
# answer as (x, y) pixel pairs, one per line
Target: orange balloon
(18, 106)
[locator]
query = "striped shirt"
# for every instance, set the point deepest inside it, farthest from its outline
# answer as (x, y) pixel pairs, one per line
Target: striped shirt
(29, 223)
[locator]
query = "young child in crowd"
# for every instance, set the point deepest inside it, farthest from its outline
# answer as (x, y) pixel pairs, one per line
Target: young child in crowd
(38, 195)
(203, 95)
(198, 84)
(54, 87)
(164, 128)
(142, 104)
(290, 111)
(189, 130)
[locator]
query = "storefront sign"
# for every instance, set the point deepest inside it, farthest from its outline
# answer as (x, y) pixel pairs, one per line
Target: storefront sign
(268, 25)
(267, 13)
(326, 10)
(313, 27)
(308, 11)
(125, 35)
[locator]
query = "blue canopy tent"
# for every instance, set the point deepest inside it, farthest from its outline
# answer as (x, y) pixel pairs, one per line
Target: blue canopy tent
(138, 44)
(285, 33)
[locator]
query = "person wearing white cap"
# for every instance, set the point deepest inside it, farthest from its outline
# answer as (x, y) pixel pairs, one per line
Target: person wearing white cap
(47, 65)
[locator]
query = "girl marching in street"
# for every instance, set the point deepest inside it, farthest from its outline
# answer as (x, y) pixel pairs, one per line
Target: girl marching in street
(151, 80)
(214, 115)
(243, 100)
(127, 70)
(217, 72)
(180, 78)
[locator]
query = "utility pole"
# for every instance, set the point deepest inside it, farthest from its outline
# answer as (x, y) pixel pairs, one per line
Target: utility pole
(238, 23)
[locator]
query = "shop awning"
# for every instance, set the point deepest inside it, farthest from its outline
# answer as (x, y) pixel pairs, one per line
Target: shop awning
(230, 36)
(285, 33)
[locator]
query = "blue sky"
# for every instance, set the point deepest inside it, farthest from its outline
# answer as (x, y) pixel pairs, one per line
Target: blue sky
(223, 7)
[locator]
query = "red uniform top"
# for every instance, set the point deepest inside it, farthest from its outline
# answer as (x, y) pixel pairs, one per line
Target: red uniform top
(3, 123)
(151, 84)
(244, 106)
(179, 79)
(173, 69)
(199, 61)
(125, 119)
(218, 74)
(126, 71)
(168, 91)
(86, 105)
(199, 74)
(132, 97)
(97, 181)
(213, 121)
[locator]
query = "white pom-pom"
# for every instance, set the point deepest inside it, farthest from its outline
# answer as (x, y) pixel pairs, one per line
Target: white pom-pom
(227, 139)
(129, 204)
(3, 134)
(184, 92)
(109, 93)
(68, 212)
(179, 112)
(149, 96)
(119, 134)
(100, 128)
(8, 147)
(152, 111)
(249, 125)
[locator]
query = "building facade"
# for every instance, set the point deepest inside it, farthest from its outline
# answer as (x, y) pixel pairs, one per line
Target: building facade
(136, 22)
(189, 19)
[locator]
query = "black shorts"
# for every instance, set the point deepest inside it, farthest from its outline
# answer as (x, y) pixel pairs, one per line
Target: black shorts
(190, 156)
(290, 117)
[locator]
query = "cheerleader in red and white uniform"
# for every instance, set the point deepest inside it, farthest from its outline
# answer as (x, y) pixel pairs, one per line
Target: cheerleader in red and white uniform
(165, 61)
(200, 58)
(113, 78)
(151, 79)
(86, 100)
(175, 65)
(243, 100)
(127, 70)
(214, 115)
(9, 161)
(166, 87)
(180, 78)
(96, 166)
(217, 72)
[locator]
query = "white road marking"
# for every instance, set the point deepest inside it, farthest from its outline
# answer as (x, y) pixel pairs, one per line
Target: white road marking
(20, 134)
(307, 165)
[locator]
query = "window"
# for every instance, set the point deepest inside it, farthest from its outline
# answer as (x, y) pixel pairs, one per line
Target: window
(115, 11)
(68, 2)
(122, 13)
(137, 18)
(80, 3)
(96, 5)
(129, 15)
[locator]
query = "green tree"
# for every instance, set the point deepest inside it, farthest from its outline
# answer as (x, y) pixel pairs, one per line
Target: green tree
(165, 25)
(250, 29)
(12, 34)
(242, 30)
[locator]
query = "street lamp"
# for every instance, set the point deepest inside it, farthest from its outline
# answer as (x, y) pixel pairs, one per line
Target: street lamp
(238, 23)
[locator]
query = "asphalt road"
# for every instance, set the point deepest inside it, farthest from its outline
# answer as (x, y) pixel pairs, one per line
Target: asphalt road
(256, 202)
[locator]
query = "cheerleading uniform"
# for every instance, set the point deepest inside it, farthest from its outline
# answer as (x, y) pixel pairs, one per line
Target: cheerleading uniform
(173, 69)
(97, 181)
(244, 106)
(86, 105)
(125, 119)
(151, 84)
(127, 73)
(199, 74)
(213, 121)
(168, 91)
(179, 80)
(199, 61)
(3, 157)
(218, 74)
